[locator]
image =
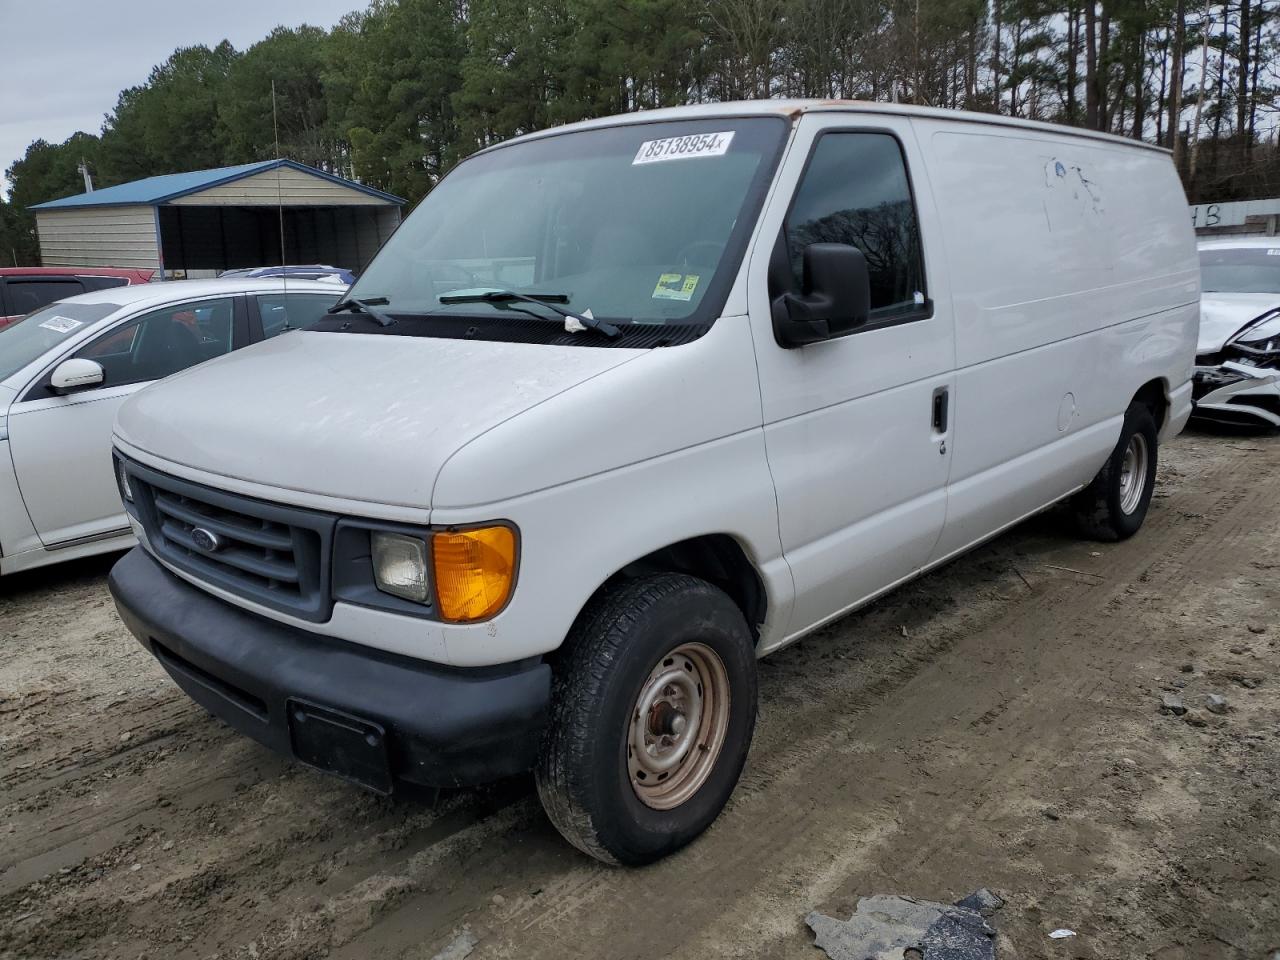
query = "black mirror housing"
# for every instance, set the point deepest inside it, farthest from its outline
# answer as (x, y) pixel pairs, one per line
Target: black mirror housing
(836, 299)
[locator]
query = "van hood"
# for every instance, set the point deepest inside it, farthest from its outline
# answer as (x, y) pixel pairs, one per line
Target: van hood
(358, 416)
(1222, 314)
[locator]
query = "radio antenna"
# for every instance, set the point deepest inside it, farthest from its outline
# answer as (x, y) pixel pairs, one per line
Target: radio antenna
(284, 268)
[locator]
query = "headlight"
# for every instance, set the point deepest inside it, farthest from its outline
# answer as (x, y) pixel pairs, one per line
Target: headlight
(122, 480)
(474, 570)
(1261, 336)
(400, 565)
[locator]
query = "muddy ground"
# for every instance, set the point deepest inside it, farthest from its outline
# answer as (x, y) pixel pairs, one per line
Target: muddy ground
(997, 723)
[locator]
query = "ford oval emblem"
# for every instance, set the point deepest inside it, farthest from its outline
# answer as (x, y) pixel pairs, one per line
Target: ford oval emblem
(206, 541)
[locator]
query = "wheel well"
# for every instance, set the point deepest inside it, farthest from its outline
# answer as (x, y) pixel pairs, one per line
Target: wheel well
(1152, 393)
(717, 558)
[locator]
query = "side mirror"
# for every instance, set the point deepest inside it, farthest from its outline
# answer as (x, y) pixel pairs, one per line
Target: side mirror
(836, 297)
(76, 374)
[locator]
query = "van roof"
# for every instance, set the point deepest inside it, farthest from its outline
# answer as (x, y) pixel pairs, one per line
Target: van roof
(794, 108)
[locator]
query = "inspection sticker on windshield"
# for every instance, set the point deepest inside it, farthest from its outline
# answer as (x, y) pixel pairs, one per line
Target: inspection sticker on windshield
(682, 148)
(61, 324)
(676, 286)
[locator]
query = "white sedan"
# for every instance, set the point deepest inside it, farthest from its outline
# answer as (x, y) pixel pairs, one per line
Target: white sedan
(66, 369)
(1238, 358)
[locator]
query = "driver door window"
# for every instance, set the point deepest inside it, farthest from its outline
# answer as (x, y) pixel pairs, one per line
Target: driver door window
(163, 342)
(855, 191)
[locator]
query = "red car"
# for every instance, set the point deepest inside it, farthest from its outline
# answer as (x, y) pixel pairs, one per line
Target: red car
(25, 289)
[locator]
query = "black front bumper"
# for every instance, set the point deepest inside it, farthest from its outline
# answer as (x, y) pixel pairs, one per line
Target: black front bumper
(419, 722)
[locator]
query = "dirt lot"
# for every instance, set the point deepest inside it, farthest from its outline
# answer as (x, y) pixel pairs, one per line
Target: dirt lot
(995, 724)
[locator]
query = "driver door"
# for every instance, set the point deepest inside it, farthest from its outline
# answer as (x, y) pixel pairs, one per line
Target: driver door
(61, 445)
(857, 427)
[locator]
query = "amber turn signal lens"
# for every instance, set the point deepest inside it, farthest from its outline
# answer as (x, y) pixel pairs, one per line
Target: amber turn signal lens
(474, 571)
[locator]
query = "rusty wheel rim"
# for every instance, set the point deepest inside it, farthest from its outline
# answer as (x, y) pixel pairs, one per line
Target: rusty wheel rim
(1133, 474)
(677, 726)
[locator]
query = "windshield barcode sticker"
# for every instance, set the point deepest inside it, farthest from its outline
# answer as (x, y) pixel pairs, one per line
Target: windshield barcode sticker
(61, 324)
(682, 148)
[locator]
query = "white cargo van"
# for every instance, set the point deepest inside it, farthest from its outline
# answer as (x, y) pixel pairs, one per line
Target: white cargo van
(627, 404)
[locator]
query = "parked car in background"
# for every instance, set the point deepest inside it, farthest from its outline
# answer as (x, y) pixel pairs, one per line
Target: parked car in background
(623, 406)
(66, 369)
(26, 289)
(1237, 376)
(313, 271)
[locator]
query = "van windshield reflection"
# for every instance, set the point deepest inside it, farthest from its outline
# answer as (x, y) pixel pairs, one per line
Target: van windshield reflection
(640, 223)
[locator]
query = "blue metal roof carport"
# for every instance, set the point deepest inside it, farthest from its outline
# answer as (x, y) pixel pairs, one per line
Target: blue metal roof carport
(207, 221)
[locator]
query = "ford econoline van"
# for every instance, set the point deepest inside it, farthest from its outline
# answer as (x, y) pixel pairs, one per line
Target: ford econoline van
(627, 404)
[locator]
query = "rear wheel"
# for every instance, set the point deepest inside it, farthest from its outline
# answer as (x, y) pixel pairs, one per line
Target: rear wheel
(1115, 504)
(653, 709)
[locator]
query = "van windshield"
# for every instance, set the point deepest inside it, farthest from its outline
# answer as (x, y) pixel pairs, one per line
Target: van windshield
(1240, 269)
(38, 333)
(642, 224)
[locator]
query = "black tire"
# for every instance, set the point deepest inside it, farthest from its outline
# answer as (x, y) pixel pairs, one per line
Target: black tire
(1099, 508)
(617, 643)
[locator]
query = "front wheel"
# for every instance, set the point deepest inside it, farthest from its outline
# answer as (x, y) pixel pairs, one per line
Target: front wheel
(1114, 505)
(653, 708)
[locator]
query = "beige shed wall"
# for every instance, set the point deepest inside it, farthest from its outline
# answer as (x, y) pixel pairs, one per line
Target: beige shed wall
(296, 188)
(98, 237)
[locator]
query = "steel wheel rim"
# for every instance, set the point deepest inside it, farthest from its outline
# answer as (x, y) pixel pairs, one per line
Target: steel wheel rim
(677, 726)
(1133, 473)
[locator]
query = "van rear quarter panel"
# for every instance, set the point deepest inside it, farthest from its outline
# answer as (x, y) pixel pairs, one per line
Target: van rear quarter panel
(1074, 281)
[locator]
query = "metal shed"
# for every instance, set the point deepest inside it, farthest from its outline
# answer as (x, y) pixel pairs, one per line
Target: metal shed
(199, 223)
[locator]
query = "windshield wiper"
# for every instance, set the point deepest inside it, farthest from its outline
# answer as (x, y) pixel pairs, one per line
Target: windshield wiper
(364, 306)
(548, 300)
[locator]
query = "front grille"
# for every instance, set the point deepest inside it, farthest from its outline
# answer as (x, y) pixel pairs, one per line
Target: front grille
(261, 551)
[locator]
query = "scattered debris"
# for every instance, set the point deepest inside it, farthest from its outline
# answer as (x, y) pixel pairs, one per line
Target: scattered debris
(1188, 668)
(1215, 703)
(461, 946)
(982, 900)
(1050, 814)
(1082, 573)
(1249, 683)
(886, 927)
(902, 630)
(1061, 934)
(1172, 704)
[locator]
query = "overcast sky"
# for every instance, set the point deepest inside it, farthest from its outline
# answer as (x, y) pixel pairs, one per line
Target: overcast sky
(65, 61)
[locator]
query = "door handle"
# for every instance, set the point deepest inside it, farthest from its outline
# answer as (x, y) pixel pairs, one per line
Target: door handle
(941, 398)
